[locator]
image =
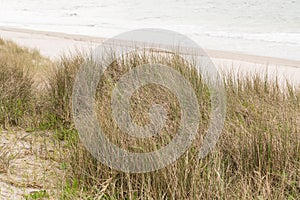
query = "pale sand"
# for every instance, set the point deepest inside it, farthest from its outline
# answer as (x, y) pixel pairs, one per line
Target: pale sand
(33, 164)
(53, 45)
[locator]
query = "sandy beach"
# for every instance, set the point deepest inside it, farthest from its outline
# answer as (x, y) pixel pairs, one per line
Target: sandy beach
(54, 44)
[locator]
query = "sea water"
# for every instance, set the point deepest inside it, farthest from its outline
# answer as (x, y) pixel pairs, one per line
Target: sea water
(266, 28)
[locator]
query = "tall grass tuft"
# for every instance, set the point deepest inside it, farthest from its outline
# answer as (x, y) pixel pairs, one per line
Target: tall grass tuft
(257, 156)
(60, 87)
(15, 83)
(23, 75)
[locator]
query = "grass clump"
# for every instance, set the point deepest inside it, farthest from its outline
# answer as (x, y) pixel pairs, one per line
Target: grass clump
(15, 83)
(60, 88)
(22, 73)
(257, 155)
(15, 94)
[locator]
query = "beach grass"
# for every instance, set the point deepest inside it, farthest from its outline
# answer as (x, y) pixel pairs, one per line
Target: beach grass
(256, 157)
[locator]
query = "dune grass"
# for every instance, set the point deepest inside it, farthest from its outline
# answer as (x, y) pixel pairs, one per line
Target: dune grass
(257, 156)
(16, 83)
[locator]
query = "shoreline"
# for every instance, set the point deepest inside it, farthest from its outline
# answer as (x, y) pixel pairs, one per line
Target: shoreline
(228, 55)
(55, 44)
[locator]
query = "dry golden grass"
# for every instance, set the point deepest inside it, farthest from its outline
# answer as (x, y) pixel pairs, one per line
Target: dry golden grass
(15, 82)
(257, 156)
(23, 75)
